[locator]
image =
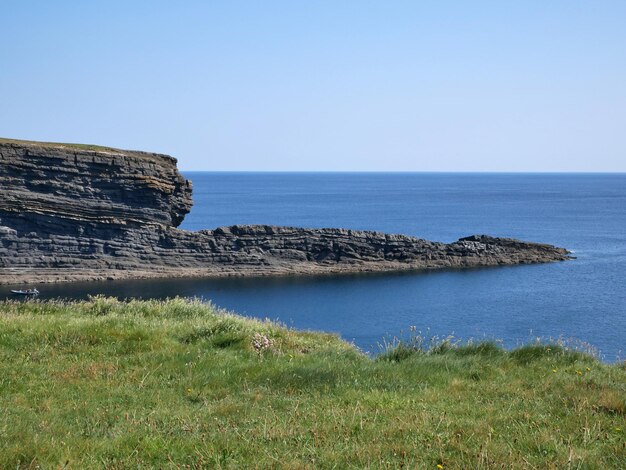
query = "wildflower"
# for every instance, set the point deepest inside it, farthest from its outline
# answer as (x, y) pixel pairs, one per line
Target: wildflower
(554, 370)
(261, 343)
(188, 390)
(439, 465)
(579, 372)
(588, 369)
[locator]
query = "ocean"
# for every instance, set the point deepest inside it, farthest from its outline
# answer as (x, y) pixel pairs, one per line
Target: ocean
(582, 301)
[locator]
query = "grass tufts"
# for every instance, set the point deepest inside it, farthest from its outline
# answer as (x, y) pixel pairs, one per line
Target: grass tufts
(179, 383)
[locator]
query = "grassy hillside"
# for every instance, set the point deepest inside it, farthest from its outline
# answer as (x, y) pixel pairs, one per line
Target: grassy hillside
(178, 384)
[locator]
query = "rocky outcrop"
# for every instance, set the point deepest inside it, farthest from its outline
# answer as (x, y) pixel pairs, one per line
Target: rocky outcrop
(74, 190)
(77, 212)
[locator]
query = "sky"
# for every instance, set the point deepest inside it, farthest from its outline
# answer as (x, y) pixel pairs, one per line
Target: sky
(323, 85)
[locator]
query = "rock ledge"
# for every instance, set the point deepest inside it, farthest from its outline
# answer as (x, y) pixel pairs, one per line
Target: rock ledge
(76, 212)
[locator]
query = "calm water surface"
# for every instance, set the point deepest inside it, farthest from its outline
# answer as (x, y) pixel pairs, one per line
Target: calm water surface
(584, 298)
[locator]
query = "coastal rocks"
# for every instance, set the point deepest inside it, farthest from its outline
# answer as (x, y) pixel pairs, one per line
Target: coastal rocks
(69, 189)
(74, 212)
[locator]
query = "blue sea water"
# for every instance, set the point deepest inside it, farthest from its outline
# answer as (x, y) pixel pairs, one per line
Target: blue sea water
(583, 298)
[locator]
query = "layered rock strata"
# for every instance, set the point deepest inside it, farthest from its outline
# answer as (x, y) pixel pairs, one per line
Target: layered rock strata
(71, 212)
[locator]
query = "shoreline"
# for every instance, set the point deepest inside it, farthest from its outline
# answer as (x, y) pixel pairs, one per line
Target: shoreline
(17, 276)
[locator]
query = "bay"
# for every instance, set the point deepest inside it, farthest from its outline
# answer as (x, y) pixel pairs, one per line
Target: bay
(583, 299)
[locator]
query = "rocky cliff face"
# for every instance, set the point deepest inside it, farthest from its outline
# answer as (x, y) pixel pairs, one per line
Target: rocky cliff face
(61, 189)
(76, 212)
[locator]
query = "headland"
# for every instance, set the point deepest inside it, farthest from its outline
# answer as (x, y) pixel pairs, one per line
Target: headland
(73, 212)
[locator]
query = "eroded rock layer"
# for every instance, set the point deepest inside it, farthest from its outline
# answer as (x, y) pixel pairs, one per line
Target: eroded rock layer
(67, 189)
(75, 212)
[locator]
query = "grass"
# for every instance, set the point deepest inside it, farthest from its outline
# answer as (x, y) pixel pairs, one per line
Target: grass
(178, 384)
(99, 148)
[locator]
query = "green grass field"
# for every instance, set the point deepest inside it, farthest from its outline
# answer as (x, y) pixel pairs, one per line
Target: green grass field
(177, 384)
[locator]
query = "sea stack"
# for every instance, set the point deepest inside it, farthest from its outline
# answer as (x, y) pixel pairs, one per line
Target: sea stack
(78, 212)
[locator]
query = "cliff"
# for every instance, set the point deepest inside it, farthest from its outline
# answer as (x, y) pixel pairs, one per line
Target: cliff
(71, 212)
(64, 188)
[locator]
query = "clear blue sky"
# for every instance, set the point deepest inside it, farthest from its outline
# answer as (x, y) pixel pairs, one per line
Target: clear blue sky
(324, 85)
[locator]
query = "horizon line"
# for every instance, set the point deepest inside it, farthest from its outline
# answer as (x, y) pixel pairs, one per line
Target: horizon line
(476, 172)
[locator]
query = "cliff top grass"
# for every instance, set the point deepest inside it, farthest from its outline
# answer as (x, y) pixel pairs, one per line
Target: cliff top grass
(60, 144)
(82, 147)
(109, 384)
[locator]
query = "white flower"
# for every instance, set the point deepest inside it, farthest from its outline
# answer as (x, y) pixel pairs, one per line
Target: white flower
(261, 343)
